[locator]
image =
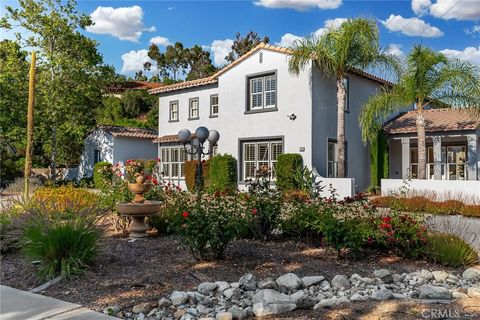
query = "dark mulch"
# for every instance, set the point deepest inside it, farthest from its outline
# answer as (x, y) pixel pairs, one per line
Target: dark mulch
(128, 273)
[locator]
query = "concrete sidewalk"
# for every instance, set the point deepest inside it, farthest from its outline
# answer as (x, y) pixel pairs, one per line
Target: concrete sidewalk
(20, 305)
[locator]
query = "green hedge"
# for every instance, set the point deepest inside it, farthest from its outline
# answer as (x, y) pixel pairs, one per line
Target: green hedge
(287, 164)
(191, 174)
(378, 160)
(223, 173)
(102, 174)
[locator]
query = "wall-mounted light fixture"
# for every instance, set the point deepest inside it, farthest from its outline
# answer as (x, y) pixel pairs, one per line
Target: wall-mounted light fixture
(292, 116)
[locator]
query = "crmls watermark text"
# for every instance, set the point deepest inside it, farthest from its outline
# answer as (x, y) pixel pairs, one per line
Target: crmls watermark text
(440, 313)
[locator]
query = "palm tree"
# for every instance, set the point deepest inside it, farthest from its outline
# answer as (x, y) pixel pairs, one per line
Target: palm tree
(351, 46)
(430, 79)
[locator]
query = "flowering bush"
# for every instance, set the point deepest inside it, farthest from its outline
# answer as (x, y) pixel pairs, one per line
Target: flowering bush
(134, 169)
(207, 226)
(401, 232)
(264, 206)
(102, 175)
(174, 200)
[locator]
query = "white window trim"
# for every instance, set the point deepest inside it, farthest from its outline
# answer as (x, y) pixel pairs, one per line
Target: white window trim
(172, 111)
(270, 162)
(170, 163)
(214, 114)
(263, 92)
(190, 109)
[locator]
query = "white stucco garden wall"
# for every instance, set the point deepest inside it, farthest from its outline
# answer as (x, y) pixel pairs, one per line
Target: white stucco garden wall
(293, 96)
(97, 140)
(133, 148)
(465, 190)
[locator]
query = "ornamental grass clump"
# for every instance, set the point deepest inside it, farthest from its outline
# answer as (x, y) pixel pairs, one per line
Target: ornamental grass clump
(64, 241)
(208, 225)
(450, 251)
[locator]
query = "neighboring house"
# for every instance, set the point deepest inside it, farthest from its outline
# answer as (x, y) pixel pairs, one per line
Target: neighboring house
(261, 110)
(116, 144)
(452, 140)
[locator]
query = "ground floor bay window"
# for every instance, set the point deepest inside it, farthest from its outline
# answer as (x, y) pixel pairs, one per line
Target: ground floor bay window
(257, 155)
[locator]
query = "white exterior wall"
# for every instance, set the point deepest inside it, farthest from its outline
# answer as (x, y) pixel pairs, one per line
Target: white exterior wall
(325, 125)
(133, 148)
(293, 96)
(465, 190)
(97, 140)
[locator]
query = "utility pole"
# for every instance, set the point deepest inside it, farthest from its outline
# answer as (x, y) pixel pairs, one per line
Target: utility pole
(31, 101)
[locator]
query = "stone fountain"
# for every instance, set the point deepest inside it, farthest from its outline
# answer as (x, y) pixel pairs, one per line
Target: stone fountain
(139, 208)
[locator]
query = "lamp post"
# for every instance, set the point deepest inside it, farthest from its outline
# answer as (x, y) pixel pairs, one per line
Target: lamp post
(197, 149)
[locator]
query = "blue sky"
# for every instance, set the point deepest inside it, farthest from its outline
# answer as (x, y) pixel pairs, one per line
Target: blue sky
(124, 29)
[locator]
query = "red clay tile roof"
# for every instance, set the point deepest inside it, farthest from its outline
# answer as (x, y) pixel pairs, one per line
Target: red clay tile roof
(119, 131)
(169, 138)
(214, 78)
(132, 85)
(435, 120)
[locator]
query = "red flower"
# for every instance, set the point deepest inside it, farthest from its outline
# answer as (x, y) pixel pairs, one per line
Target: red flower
(386, 219)
(216, 194)
(185, 214)
(254, 211)
(158, 160)
(386, 226)
(370, 241)
(390, 233)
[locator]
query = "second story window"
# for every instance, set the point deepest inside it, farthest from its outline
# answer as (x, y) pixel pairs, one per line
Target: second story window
(193, 112)
(262, 92)
(214, 105)
(174, 111)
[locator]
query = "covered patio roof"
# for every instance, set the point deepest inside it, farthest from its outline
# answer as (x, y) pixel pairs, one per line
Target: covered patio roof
(436, 120)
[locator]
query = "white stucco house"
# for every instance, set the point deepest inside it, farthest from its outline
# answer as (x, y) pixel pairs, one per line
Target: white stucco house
(116, 144)
(262, 110)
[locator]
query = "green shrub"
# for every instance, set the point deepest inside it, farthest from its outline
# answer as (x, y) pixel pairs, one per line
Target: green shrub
(150, 166)
(288, 163)
(450, 250)
(191, 175)
(102, 175)
(208, 226)
(301, 219)
(223, 173)
(65, 244)
(264, 206)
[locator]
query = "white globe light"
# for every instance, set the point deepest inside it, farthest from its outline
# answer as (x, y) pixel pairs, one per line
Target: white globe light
(202, 133)
(184, 135)
(214, 136)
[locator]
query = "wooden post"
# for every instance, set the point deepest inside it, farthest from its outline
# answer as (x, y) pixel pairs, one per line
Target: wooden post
(31, 101)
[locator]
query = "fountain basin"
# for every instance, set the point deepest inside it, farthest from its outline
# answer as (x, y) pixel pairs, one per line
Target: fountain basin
(138, 212)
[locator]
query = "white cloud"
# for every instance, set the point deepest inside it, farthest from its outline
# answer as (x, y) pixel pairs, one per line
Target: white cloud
(420, 7)
(220, 49)
(396, 49)
(300, 5)
(287, 40)
(473, 30)
(133, 61)
(448, 9)
(160, 41)
(329, 23)
(470, 54)
(125, 23)
(413, 27)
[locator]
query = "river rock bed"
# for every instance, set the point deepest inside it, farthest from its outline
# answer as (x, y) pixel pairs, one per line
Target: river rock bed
(251, 297)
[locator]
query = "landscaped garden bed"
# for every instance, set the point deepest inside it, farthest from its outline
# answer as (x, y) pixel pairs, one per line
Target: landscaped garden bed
(229, 247)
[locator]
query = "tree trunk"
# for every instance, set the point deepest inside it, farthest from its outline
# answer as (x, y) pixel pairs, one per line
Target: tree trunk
(340, 128)
(31, 101)
(54, 154)
(422, 160)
